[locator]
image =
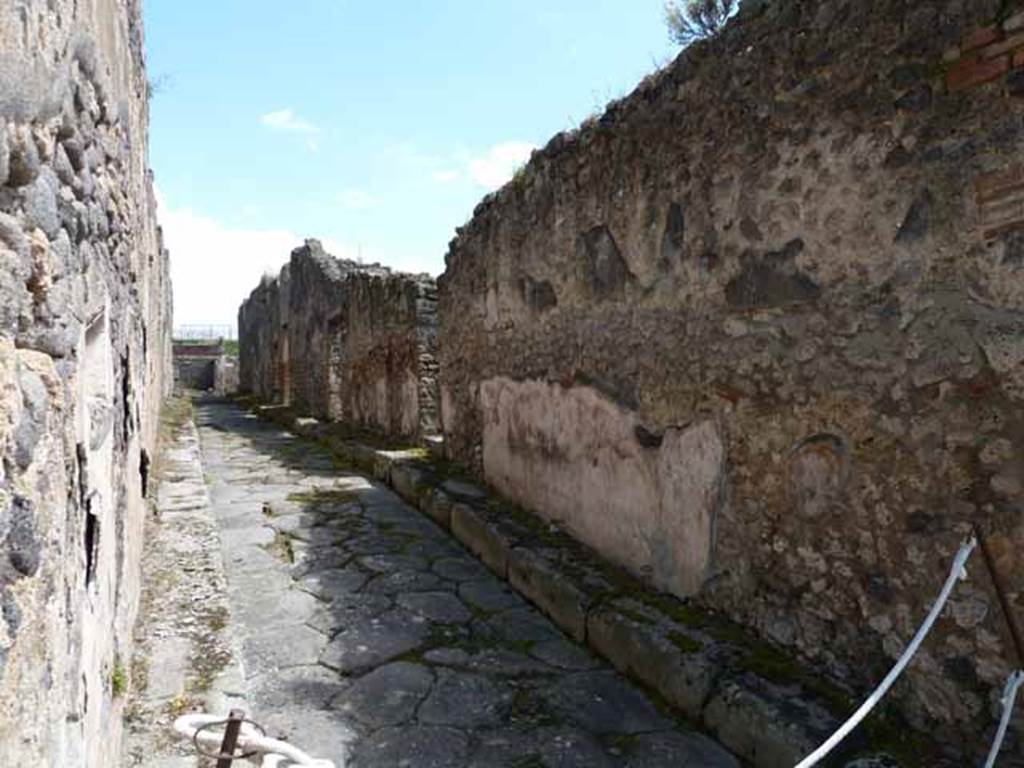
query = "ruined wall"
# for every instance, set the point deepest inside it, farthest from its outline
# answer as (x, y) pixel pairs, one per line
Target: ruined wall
(757, 333)
(84, 365)
(342, 341)
(259, 341)
(205, 367)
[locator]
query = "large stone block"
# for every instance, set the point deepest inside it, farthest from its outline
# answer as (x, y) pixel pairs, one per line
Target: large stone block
(756, 720)
(551, 590)
(682, 669)
(481, 537)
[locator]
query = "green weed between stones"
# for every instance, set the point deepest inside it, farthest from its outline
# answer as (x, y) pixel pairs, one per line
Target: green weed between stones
(179, 705)
(281, 548)
(118, 679)
(320, 497)
(140, 672)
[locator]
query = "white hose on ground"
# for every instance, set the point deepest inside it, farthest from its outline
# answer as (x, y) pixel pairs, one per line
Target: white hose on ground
(275, 752)
(956, 573)
(1013, 683)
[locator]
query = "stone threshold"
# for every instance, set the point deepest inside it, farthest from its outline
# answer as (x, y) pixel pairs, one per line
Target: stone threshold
(757, 700)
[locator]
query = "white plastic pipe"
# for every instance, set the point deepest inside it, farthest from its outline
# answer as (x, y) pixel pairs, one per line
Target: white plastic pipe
(955, 574)
(1013, 683)
(249, 740)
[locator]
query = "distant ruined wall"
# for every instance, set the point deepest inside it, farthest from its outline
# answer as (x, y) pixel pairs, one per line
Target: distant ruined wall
(259, 340)
(84, 364)
(341, 341)
(205, 367)
(757, 334)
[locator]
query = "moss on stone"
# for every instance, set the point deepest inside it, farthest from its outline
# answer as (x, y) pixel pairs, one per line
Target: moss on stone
(217, 618)
(140, 672)
(885, 733)
(778, 667)
(321, 497)
(525, 707)
(528, 761)
(636, 616)
(685, 643)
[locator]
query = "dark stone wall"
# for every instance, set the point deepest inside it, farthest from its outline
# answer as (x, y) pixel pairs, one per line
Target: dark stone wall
(343, 341)
(755, 334)
(197, 373)
(85, 363)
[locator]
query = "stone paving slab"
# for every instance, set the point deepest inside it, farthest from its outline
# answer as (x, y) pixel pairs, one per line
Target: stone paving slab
(372, 638)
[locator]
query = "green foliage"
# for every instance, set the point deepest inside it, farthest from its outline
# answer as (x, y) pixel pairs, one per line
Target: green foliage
(156, 85)
(690, 20)
(118, 679)
(519, 177)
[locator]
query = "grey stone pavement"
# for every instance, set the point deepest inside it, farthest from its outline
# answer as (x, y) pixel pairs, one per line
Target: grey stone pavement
(370, 637)
(184, 657)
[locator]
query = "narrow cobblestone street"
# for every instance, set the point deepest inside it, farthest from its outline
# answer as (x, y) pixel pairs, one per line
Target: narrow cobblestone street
(370, 637)
(184, 655)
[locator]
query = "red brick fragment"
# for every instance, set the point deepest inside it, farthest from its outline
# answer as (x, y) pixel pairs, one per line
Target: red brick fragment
(1018, 59)
(981, 37)
(1004, 46)
(992, 186)
(991, 233)
(969, 72)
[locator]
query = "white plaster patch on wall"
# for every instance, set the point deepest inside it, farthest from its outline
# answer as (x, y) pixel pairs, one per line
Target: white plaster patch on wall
(573, 456)
(691, 478)
(96, 435)
(449, 413)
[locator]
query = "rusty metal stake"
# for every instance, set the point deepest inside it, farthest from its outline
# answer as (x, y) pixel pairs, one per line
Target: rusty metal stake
(1004, 601)
(227, 746)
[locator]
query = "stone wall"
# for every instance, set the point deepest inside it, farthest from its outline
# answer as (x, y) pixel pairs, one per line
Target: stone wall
(196, 373)
(342, 341)
(757, 334)
(84, 365)
(205, 367)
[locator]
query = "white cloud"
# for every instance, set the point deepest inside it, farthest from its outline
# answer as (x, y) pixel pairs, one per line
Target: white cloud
(497, 166)
(489, 169)
(286, 121)
(214, 267)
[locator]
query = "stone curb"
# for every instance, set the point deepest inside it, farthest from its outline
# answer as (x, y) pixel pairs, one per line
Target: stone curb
(766, 723)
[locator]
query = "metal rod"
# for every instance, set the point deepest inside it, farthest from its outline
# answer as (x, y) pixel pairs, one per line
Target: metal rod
(227, 746)
(1004, 601)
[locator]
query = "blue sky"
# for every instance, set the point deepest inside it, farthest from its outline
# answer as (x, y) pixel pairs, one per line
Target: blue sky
(375, 127)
